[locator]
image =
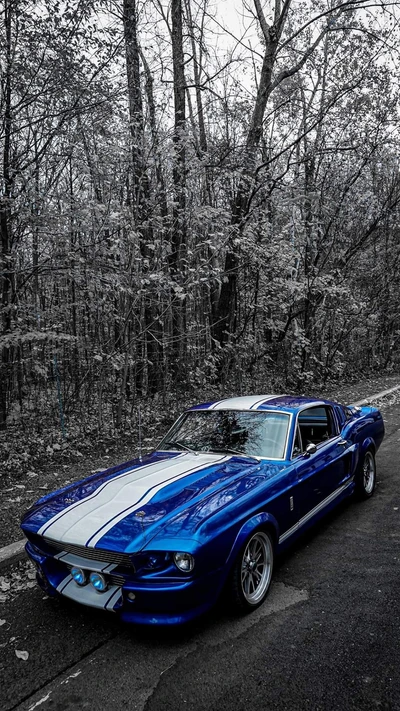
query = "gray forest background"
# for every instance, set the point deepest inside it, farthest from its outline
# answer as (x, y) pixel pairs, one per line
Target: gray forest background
(196, 198)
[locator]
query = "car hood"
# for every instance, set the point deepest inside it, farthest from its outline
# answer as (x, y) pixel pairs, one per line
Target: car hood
(125, 507)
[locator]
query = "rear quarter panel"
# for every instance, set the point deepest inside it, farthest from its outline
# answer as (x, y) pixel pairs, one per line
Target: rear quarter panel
(366, 429)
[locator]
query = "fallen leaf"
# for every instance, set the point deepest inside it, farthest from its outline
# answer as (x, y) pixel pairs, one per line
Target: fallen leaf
(22, 654)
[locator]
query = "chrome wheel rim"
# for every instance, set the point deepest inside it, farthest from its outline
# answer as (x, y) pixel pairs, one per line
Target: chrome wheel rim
(256, 568)
(368, 473)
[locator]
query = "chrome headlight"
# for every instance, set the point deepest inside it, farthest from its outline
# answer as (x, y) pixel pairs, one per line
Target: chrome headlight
(184, 561)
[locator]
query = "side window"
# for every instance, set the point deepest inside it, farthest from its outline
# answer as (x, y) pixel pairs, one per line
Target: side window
(317, 424)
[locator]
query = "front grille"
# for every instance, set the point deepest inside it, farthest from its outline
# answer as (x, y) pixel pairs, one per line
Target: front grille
(99, 554)
(116, 579)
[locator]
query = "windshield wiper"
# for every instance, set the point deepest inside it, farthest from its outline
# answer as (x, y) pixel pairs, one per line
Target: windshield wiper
(235, 451)
(178, 443)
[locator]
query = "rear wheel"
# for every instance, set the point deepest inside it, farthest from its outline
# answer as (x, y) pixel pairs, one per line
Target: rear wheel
(252, 572)
(366, 478)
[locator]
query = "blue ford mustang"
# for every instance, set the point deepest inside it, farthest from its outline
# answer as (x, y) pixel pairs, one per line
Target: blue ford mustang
(157, 540)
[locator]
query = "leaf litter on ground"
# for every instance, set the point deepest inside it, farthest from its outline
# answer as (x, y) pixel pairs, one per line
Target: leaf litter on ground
(18, 578)
(26, 479)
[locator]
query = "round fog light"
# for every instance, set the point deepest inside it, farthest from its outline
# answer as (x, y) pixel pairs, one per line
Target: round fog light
(98, 581)
(79, 576)
(131, 596)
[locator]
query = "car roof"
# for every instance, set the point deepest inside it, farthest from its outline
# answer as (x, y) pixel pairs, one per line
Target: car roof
(289, 403)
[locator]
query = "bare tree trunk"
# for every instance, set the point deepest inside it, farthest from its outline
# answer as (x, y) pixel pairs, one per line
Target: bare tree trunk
(225, 324)
(141, 193)
(177, 259)
(6, 272)
(197, 70)
(161, 189)
(212, 294)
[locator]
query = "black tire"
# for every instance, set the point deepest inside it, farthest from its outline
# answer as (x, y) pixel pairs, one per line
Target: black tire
(366, 476)
(252, 572)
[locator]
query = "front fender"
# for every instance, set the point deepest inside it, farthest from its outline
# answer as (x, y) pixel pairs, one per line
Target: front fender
(260, 520)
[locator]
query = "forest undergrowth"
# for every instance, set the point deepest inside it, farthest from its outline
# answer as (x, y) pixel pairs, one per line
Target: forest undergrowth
(35, 458)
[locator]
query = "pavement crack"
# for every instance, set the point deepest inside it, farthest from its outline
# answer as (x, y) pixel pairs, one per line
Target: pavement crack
(178, 657)
(225, 629)
(57, 676)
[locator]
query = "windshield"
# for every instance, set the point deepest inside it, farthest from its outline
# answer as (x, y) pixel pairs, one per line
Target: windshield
(257, 434)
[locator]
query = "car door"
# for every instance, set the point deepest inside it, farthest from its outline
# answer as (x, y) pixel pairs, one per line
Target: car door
(322, 474)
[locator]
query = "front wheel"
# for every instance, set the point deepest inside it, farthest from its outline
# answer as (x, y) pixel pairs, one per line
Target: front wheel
(366, 479)
(252, 572)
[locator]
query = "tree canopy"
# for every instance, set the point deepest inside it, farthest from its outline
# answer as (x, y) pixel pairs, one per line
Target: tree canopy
(195, 196)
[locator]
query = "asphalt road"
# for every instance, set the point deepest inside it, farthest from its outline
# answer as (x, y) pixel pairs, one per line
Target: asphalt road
(327, 638)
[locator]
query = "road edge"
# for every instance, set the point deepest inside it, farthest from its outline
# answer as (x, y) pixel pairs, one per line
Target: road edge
(377, 396)
(16, 551)
(12, 553)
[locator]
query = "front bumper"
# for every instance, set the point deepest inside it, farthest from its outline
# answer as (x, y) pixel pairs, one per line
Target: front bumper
(154, 602)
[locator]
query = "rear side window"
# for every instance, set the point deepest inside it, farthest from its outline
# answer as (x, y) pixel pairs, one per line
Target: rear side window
(317, 424)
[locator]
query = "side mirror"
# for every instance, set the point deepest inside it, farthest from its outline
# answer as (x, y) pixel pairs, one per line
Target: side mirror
(310, 449)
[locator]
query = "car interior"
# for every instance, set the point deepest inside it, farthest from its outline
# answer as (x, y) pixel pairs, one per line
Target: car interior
(315, 425)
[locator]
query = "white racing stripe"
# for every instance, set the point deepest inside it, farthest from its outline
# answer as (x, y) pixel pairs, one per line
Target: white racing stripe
(117, 483)
(139, 471)
(113, 599)
(85, 522)
(87, 595)
(76, 561)
(151, 493)
(246, 402)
